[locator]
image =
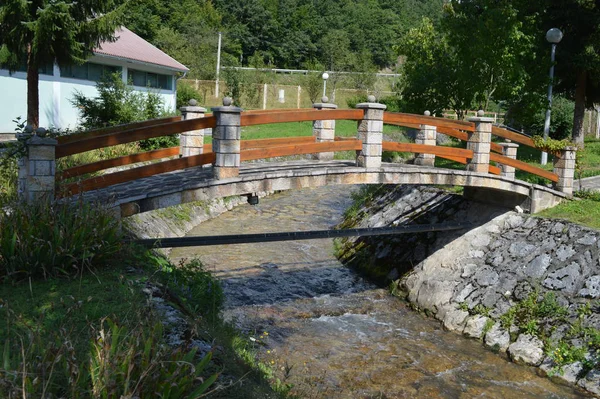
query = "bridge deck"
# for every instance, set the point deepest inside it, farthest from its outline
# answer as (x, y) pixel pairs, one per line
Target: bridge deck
(197, 183)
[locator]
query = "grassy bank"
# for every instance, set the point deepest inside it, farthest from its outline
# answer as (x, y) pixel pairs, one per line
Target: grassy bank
(97, 317)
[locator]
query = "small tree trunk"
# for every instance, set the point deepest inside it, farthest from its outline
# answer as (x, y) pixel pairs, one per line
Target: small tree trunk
(579, 114)
(33, 94)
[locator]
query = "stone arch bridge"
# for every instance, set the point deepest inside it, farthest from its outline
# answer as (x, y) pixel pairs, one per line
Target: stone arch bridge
(197, 171)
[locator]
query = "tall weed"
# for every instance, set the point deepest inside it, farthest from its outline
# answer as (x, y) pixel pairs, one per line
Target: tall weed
(47, 239)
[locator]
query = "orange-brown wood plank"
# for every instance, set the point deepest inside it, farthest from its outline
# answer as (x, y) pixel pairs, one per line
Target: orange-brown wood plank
(525, 167)
(493, 169)
(136, 173)
(280, 151)
(400, 119)
(120, 161)
(300, 116)
(516, 137)
(131, 135)
(427, 149)
(262, 143)
(114, 129)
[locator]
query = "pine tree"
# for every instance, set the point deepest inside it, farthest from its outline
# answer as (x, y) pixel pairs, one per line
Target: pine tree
(38, 32)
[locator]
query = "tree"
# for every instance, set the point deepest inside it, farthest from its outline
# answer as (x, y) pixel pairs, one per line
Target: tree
(38, 32)
(434, 76)
(578, 54)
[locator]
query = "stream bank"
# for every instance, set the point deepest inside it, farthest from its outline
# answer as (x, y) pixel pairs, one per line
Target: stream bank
(523, 285)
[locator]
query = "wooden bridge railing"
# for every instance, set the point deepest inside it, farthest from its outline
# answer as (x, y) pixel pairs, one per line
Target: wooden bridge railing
(228, 150)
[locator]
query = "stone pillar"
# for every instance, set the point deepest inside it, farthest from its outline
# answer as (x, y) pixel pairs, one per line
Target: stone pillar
(370, 132)
(41, 168)
(479, 143)
(324, 131)
(509, 150)
(23, 165)
(564, 167)
(192, 142)
(426, 135)
(226, 140)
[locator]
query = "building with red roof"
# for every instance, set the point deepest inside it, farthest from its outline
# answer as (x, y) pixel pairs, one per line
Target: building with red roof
(140, 63)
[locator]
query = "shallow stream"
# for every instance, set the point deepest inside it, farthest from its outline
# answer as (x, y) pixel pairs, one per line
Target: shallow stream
(332, 334)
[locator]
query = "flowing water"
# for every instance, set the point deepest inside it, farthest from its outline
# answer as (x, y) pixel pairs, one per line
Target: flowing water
(332, 334)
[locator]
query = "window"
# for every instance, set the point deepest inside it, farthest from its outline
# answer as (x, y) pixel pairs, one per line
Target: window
(45, 69)
(149, 79)
(89, 71)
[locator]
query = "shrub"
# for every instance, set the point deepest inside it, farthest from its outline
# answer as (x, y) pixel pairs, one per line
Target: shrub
(117, 104)
(185, 93)
(47, 239)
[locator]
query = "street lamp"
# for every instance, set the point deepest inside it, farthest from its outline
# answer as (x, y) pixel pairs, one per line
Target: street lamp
(554, 36)
(325, 77)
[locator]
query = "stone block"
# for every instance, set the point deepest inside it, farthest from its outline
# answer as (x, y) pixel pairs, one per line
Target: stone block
(527, 349)
(370, 137)
(40, 183)
(227, 132)
(41, 168)
(325, 135)
(323, 156)
(565, 173)
(482, 148)
(35, 196)
(226, 146)
(227, 160)
(225, 173)
(228, 117)
(41, 152)
(375, 126)
(563, 163)
(424, 159)
(498, 337)
(192, 112)
(372, 150)
(369, 162)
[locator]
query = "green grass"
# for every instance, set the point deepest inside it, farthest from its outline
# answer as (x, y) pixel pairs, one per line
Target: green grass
(55, 325)
(296, 129)
(585, 212)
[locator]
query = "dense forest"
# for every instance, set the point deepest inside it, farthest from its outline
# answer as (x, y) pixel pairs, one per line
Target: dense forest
(356, 35)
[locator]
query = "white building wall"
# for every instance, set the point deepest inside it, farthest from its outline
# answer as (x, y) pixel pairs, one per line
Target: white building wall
(56, 93)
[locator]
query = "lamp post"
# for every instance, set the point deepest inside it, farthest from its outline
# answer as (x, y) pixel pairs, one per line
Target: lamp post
(554, 36)
(325, 77)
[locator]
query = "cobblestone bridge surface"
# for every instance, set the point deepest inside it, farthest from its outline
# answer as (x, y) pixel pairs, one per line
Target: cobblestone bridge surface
(198, 184)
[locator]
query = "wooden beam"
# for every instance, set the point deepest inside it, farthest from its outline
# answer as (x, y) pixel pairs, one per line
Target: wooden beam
(120, 161)
(516, 137)
(280, 141)
(427, 149)
(114, 129)
(131, 135)
(281, 151)
(136, 173)
(300, 116)
(525, 167)
(400, 119)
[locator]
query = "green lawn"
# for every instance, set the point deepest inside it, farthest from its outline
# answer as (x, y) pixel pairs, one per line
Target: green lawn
(585, 212)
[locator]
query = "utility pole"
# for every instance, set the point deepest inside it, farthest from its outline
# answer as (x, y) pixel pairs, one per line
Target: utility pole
(218, 67)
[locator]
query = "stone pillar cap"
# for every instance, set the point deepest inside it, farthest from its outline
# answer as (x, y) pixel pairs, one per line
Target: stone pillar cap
(193, 108)
(481, 119)
(227, 108)
(508, 145)
(37, 140)
(371, 106)
(324, 105)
